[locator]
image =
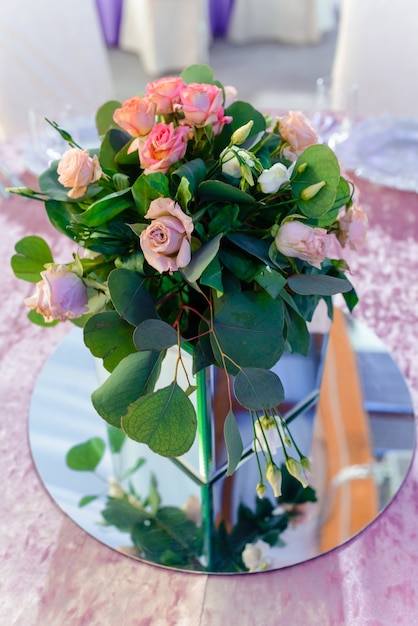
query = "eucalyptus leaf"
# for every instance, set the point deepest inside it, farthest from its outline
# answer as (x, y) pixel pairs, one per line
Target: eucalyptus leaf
(271, 280)
(33, 253)
(169, 538)
(109, 337)
(217, 190)
(104, 116)
(85, 457)
(258, 389)
(249, 330)
(164, 420)
(116, 439)
(134, 376)
(153, 334)
(130, 296)
(233, 442)
(316, 164)
(198, 74)
(124, 514)
(62, 215)
(318, 284)
(202, 258)
(113, 142)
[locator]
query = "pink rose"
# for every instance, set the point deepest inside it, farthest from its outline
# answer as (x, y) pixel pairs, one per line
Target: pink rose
(353, 228)
(165, 93)
(164, 146)
(295, 239)
(136, 116)
(298, 132)
(77, 169)
(60, 295)
(202, 105)
(166, 241)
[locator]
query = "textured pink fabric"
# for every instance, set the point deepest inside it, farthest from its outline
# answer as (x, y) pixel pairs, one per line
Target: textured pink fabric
(52, 572)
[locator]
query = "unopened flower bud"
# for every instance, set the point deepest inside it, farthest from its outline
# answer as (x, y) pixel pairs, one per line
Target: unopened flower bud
(261, 490)
(274, 477)
(312, 190)
(295, 469)
(306, 464)
(241, 134)
(302, 167)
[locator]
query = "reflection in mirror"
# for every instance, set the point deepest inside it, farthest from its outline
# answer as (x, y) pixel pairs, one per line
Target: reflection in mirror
(350, 410)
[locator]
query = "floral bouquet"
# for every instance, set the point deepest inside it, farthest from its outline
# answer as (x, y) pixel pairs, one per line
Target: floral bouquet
(198, 223)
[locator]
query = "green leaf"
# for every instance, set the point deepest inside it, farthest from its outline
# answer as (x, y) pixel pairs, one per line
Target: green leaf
(109, 337)
(298, 336)
(198, 74)
(134, 376)
(105, 209)
(242, 113)
(62, 215)
(130, 296)
(249, 329)
(240, 264)
(318, 284)
(32, 255)
(258, 389)
(114, 141)
(124, 515)
(217, 190)
(258, 248)
(169, 539)
(193, 172)
(270, 280)
(104, 116)
(153, 334)
(212, 275)
(85, 457)
(321, 165)
(86, 500)
(202, 258)
(233, 443)
(164, 420)
(116, 438)
(147, 188)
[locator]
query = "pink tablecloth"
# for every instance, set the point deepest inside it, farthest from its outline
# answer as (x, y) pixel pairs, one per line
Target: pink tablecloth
(53, 573)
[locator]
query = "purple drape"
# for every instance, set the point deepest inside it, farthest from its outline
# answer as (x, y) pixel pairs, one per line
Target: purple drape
(219, 14)
(110, 12)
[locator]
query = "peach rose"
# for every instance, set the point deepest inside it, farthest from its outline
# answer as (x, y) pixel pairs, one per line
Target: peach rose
(166, 241)
(165, 93)
(136, 116)
(164, 146)
(298, 132)
(295, 239)
(77, 169)
(60, 295)
(353, 228)
(202, 105)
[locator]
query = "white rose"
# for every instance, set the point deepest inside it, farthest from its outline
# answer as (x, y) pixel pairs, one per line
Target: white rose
(256, 556)
(272, 179)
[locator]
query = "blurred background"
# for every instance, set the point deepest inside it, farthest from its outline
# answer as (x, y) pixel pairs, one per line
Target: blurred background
(66, 58)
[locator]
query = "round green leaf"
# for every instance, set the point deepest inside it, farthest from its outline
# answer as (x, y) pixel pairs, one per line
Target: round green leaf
(109, 337)
(32, 255)
(155, 335)
(258, 389)
(249, 330)
(85, 457)
(317, 163)
(130, 296)
(134, 376)
(164, 420)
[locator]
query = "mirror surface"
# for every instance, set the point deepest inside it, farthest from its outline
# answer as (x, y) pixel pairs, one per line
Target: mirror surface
(359, 434)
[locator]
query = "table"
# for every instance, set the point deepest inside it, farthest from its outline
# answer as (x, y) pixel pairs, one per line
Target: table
(52, 572)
